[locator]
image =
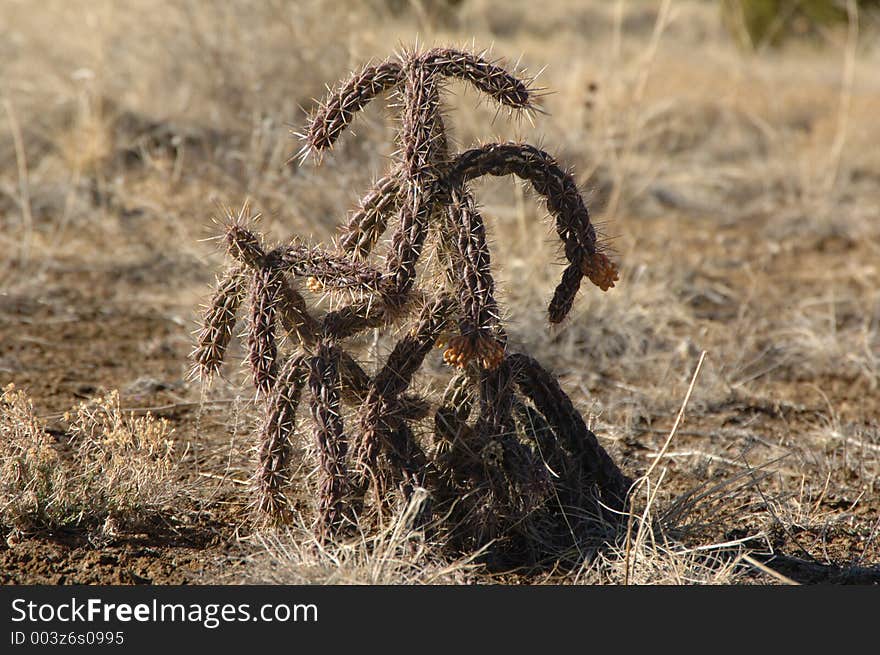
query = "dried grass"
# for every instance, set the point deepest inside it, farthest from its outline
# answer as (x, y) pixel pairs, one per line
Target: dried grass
(33, 484)
(118, 467)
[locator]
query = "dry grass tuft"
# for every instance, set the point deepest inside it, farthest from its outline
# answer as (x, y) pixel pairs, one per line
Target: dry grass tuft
(124, 466)
(32, 479)
(115, 468)
(399, 552)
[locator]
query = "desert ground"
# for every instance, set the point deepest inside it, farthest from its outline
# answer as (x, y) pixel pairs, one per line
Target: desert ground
(738, 190)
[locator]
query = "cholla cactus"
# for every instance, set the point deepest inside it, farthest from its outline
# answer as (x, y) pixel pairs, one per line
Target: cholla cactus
(509, 458)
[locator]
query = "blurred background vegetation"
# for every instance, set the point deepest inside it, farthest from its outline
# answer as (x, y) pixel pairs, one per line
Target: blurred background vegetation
(755, 24)
(759, 23)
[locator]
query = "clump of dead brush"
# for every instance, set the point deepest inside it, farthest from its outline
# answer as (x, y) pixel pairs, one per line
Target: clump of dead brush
(508, 457)
(32, 481)
(119, 468)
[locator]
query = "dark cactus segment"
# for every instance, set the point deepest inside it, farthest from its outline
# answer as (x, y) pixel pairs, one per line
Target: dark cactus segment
(476, 288)
(455, 409)
(496, 401)
(565, 293)
(368, 223)
(279, 426)
(544, 391)
(564, 202)
(353, 319)
(329, 271)
(218, 323)
(377, 421)
(244, 246)
(419, 139)
(337, 110)
(262, 347)
(421, 127)
(487, 76)
(406, 248)
(330, 439)
(294, 315)
(557, 186)
(408, 355)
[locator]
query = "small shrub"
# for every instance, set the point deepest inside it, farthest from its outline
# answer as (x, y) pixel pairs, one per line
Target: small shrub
(124, 464)
(122, 467)
(33, 484)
